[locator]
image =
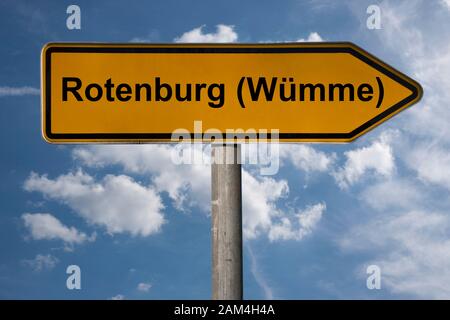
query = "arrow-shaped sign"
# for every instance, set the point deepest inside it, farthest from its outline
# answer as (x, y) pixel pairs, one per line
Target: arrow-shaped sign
(300, 92)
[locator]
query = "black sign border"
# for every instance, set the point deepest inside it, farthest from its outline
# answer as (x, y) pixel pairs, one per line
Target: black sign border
(345, 47)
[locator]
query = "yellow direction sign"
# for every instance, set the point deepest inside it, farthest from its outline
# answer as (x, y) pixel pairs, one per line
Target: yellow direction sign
(298, 92)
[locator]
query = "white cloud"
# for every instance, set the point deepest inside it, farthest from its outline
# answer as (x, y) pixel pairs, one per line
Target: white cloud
(224, 33)
(312, 37)
(185, 183)
(432, 164)
(18, 91)
(257, 274)
(392, 194)
(262, 216)
(377, 158)
(429, 120)
(118, 297)
(44, 226)
(189, 185)
(152, 36)
(410, 241)
(259, 203)
(144, 287)
(446, 3)
(300, 226)
(307, 158)
(41, 262)
(411, 248)
(427, 54)
(117, 202)
(395, 17)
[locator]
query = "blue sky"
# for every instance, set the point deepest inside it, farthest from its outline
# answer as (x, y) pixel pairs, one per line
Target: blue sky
(139, 227)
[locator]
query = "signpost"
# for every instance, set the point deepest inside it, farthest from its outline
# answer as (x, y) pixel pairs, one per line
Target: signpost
(144, 93)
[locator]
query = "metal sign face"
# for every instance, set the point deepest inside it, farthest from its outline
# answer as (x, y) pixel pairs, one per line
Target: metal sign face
(138, 93)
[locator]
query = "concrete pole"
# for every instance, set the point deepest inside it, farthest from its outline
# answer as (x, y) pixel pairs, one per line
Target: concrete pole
(226, 228)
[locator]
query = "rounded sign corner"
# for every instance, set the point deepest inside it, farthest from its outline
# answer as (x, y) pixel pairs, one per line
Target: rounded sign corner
(419, 90)
(47, 137)
(46, 47)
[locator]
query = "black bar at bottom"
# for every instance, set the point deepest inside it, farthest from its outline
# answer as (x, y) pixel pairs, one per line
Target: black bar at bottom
(208, 309)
